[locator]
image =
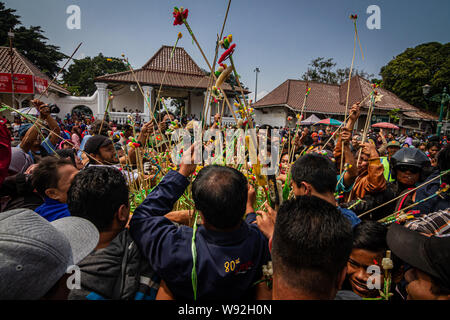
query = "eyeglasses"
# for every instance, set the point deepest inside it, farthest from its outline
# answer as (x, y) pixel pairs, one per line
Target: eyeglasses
(408, 168)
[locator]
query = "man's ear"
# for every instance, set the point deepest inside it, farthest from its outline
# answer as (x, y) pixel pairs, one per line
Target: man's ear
(295, 188)
(201, 216)
(52, 193)
(123, 214)
(308, 188)
(298, 189)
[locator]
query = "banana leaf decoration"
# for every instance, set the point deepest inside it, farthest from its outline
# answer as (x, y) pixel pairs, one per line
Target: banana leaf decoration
(287, 187)
(137, 198)
(260, 178)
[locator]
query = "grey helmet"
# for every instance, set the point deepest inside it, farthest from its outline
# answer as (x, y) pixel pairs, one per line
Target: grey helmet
(410, 157)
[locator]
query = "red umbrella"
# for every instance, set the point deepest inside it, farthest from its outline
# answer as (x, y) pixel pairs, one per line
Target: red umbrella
(385, 125)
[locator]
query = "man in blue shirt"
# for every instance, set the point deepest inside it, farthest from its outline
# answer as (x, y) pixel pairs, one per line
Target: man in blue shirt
(227, 250)
(315, 175)
(312, 175)
(52, 179)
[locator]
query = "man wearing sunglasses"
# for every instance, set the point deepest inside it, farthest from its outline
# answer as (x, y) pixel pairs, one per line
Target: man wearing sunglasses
(408, 167)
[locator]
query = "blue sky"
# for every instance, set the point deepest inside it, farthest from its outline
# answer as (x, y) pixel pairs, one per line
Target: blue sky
(280, 37)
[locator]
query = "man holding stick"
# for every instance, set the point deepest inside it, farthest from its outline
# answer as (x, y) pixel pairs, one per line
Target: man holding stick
(32, 143)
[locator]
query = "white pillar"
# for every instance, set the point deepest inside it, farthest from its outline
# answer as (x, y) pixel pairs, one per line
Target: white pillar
(102, 98)
(148, 90)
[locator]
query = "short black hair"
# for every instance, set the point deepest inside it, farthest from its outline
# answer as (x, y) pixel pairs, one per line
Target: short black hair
(97, 124)
(311, 244)
(317, 170)
(67, 153)
(220, 193)
(96, 194)
(163, 113)
(432, 144)
(370, 235)
(45, 175)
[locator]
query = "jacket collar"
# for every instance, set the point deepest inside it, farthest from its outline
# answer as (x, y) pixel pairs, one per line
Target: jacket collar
(225, 237)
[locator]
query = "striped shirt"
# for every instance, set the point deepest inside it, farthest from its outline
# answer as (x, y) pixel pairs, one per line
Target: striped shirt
(433, 224)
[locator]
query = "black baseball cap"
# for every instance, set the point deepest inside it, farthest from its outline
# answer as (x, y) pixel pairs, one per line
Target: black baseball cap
(94, 143)
(428, 254)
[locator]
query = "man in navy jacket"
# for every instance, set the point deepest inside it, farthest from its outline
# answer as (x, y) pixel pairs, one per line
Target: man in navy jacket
(230, 251)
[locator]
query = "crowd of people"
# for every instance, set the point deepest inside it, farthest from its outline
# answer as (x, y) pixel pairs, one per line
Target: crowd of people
(367, 215)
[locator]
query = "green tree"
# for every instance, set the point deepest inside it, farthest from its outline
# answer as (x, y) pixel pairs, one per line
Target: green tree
(321, 70)
(394, 115)
(80, 75)
(342, 74)
(30, 42)
(428, 63)
(8, 21)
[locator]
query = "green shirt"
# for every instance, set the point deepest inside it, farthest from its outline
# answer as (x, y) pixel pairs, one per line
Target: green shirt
(387, 169)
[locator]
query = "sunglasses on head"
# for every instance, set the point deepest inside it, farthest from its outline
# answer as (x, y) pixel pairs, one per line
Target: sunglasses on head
(408, 168)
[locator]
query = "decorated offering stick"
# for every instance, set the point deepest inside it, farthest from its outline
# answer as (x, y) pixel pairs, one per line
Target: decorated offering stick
(374, 98)
(354, 18)
(378, 97)
(211, 79)
(406, 193)
(402, 214)
(180, 35)
(180, 16)
(236, 76)
(387, 265)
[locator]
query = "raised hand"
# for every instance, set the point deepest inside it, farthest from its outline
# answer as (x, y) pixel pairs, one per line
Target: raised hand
(266, 221)
(346, 135)
(354, 112)
(188, 165)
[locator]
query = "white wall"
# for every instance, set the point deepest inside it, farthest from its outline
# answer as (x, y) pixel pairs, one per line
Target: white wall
(67, 103)
(197, 105)
(276, 117)
(124, 97)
